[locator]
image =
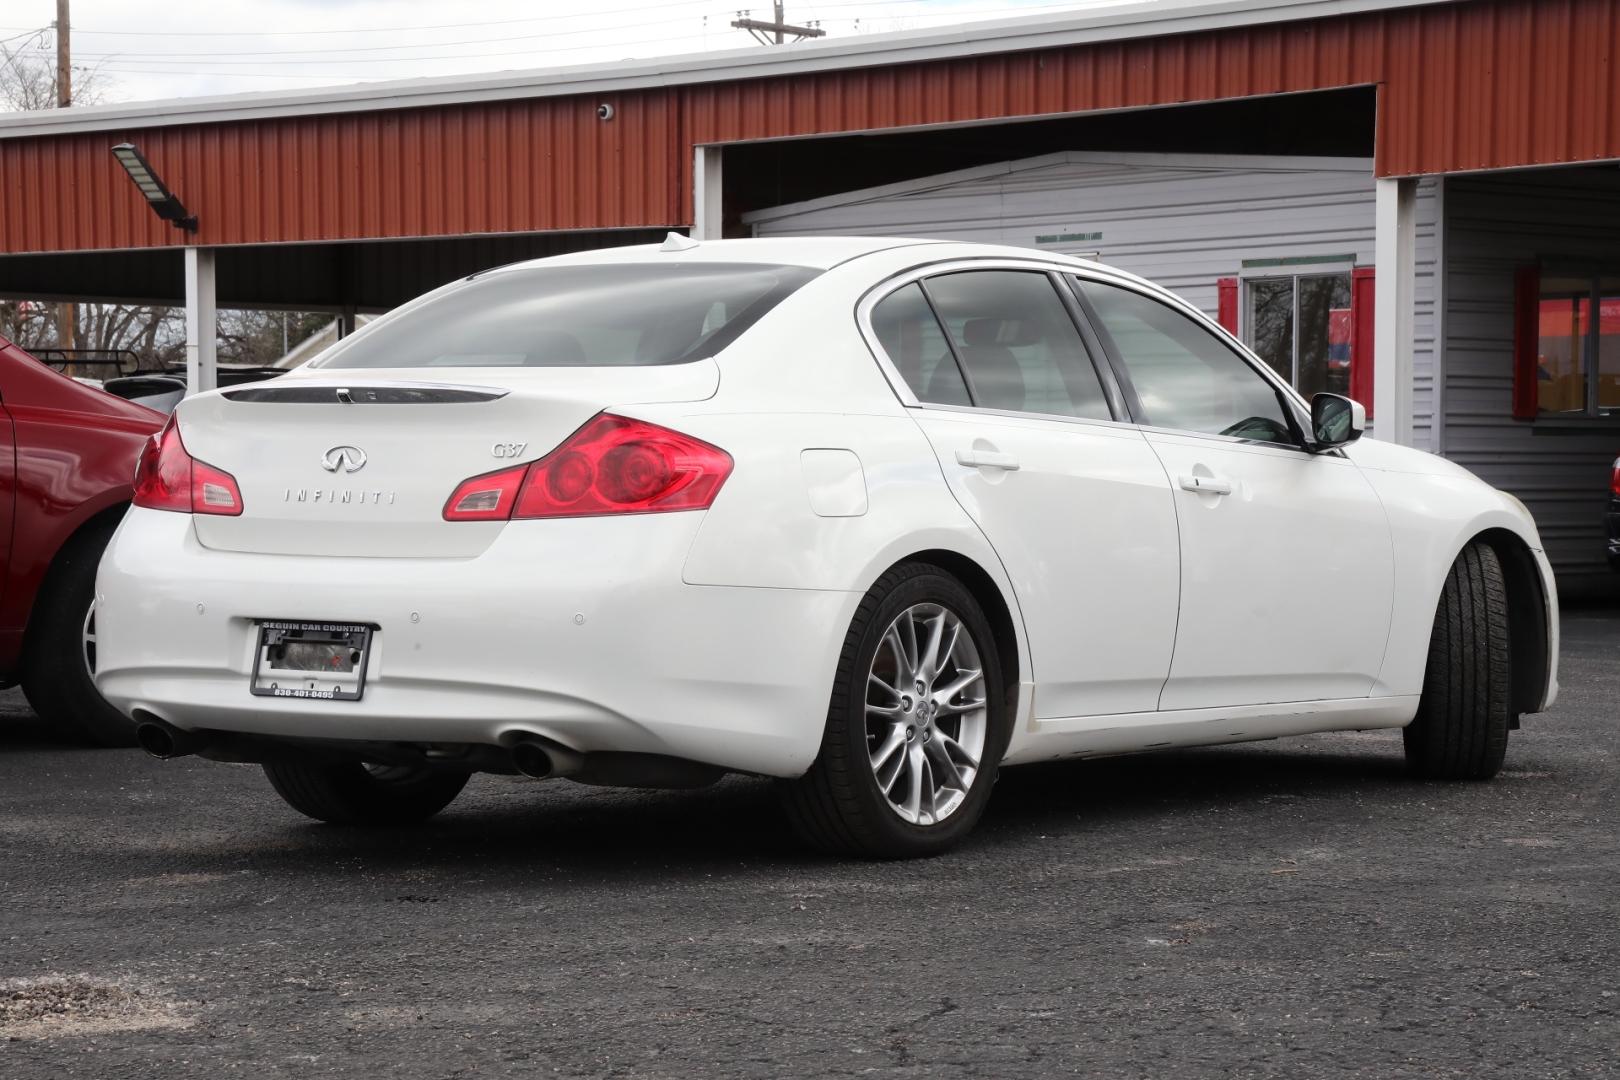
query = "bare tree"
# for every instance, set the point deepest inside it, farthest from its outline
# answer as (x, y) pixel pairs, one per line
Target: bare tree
(28, 79)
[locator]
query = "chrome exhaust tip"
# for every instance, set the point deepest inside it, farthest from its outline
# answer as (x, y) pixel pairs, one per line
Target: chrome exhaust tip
(166, 741)
(532, 760)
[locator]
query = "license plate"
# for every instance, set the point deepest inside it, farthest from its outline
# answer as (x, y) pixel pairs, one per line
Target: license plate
(318, 660)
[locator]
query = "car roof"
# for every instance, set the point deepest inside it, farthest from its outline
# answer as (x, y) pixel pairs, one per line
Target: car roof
(816, 252)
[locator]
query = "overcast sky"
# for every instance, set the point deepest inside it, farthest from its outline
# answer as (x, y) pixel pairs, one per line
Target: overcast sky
(182, 48)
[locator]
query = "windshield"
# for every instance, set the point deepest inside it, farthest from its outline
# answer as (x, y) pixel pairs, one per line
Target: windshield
(623, 315)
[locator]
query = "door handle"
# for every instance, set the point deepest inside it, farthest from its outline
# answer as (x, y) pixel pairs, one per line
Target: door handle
(1205, 485)
(987, 459)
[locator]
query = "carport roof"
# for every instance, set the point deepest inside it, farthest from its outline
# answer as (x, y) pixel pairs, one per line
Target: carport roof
(1126, 20)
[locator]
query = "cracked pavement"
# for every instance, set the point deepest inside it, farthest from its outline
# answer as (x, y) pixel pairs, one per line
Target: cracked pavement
(1294, 908)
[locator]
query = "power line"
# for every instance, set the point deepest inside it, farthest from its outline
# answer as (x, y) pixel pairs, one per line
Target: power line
(593, 13)
(1010, 9)
(128, 57)
(380, 48)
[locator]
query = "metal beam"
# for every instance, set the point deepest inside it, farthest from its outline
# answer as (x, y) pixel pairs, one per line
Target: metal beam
(202, 322)
(708, 211)
(1395, 294)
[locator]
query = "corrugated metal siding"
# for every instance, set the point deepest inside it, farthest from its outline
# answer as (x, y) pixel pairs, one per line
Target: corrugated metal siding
(526, 166)
(1491, 85)
(1561, 471)
(1154, 71)
(1182, 224)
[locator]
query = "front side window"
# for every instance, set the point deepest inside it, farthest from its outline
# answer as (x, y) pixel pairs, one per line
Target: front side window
(1577, 355)
(1185, 377)
(1301, 326)
(616, 315)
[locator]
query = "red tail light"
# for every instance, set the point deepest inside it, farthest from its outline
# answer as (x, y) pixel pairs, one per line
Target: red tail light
(168, 478)
(612, 465)
(1614, 479)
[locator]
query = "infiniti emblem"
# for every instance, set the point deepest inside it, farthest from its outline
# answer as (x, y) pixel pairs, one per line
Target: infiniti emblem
(349, 459)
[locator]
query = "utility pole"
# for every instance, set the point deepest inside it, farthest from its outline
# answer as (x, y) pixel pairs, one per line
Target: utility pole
(763, 31)
(66, 334)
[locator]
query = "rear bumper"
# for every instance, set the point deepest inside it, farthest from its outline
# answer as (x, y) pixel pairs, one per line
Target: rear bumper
(580, 631)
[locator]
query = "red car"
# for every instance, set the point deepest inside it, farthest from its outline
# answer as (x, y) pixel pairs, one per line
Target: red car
(67, 458)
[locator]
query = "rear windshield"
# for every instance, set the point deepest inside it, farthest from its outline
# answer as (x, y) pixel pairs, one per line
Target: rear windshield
(577, 316)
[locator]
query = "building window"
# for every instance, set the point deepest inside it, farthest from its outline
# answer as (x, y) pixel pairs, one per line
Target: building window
(1302, 326)
(1576, 356)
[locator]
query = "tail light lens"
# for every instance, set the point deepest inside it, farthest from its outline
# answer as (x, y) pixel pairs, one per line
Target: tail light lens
(612, 465)
(168, 478)
(489, 497)
(1614, 479)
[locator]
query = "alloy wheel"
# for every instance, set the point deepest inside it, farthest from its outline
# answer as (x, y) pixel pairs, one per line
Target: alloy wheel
(925, 713)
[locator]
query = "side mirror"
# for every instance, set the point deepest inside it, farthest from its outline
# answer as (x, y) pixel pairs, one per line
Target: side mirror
(1335, 421)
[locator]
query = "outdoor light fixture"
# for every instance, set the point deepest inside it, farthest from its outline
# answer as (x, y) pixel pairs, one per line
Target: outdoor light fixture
(163, 201)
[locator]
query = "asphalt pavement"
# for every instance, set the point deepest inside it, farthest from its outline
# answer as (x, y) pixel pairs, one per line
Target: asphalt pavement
(1289, 909)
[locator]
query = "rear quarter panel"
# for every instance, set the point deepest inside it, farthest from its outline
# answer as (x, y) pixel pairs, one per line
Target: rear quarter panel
(799, 390)
(76, 449)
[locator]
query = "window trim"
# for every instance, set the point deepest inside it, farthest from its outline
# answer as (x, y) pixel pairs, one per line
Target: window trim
(1249, 275)
(1527, 321)
(1295, 410)
(1053, 271)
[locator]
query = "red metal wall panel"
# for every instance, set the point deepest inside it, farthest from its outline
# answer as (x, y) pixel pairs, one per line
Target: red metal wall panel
(1472, 85)
(525, 166)
(1158, 71)
(1497, 84)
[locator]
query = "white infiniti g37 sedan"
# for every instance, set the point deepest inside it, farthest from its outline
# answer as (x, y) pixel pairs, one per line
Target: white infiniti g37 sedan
(872, 516)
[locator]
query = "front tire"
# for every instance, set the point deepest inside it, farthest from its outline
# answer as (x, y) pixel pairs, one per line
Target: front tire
(1461, 729)
(916, 726)
(58, 664)
(350, 793)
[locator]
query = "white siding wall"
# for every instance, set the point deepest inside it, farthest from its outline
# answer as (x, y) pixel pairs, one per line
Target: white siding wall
(1560, 469)
(1183, 221)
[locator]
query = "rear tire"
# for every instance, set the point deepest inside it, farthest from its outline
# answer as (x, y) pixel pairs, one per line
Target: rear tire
(1461, 729)
(350, 793)
(56, 668)
(841, 805)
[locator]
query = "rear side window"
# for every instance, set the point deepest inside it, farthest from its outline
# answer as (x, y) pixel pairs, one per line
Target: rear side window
(1019, 345)
(623, 315)
(911, 336)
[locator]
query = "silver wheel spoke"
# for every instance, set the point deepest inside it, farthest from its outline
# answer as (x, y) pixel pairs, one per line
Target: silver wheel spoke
(957, 708)
(914, 789)
(950, 775)
(87, 645)
(949, 649)
(963, 680)
(892, 744)
(954, 751)
(908, 638)
(891, 691)
(928, 664)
